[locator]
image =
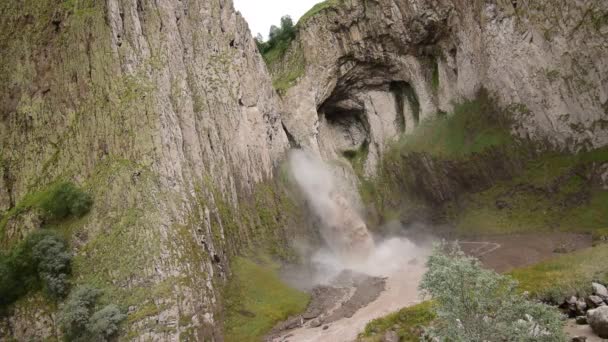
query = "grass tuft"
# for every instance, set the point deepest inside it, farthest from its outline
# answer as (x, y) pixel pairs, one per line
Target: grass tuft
(408, 323)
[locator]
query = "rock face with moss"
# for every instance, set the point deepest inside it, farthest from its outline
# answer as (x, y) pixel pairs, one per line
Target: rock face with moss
(371, 69)
(163, 112)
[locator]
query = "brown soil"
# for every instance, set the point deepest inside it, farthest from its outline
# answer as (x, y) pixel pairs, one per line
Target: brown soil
(504, 253)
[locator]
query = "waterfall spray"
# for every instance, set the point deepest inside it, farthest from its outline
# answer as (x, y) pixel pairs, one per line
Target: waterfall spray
(342, 228)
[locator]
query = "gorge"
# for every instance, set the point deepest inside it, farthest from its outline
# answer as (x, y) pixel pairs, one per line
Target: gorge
(168, 141)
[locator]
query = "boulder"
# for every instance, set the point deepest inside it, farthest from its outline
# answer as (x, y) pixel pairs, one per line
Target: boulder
(579, 339)
(581, 307)
(390, 336)
(594, 302)
(598, 320)
(581, 320)
(600, 290)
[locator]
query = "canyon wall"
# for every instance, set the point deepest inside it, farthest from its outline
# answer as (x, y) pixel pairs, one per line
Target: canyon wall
(371, 69)
(165, 113)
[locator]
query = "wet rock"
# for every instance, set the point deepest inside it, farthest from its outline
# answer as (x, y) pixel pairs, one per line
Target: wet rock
(581, 320)
(594, 302)
(598, 319)
(315, 323)
(390, 336)
(600, 290)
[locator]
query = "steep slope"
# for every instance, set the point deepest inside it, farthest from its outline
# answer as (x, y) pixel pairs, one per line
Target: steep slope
(359, 72)
(164, 112)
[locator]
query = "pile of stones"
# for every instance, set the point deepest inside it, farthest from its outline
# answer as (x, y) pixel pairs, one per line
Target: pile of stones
(592, 310)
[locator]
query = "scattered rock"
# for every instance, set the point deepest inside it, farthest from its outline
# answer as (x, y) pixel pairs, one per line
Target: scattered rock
(581, 320)
(315, 323)
(579, 339)
(598, 319)
(326, 327)
(390, 336)
(594, 302)
(600, 290)
(571, 300)
(564, 248)
(581, 307)
(500, 204)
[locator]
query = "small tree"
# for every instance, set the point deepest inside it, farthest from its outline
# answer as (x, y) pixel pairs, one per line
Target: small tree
(274, 32)
(80, 323)
(475, 304)
(104, 323)
(51, 255)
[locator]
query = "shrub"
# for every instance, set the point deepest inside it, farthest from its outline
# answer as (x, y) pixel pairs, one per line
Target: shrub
(41, 260)
(75, 313)
(53, 260)
(104, 323)
(278, 40)
(79, 322)
(65, 199)
(475, 304)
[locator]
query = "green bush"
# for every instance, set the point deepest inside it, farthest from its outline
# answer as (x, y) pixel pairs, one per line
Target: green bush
(65, 199)
(279, 40)
(40, 261)
(475, 304)
(80, 322)
(53, 260)
(104, 323)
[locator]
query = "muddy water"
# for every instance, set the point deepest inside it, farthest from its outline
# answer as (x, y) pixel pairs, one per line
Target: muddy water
(402, 264)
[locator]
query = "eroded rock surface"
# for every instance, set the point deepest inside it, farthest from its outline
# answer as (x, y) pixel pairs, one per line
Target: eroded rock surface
(374, 69)
(164, 112)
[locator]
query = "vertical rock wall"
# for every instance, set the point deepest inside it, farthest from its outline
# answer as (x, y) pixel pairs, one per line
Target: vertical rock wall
(545, 61)
(164, 111)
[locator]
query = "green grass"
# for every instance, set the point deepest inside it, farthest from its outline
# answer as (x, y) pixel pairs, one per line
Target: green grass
(407, 321)
(318, 8)
(550, 194)
(57, 202)
(567, 275)
(357, 158)
(435, 77)
(473, 127)
(256, 299)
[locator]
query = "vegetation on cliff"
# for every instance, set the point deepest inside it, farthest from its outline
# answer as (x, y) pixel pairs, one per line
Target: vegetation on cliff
(41, 261)
(284, 59)
(80, 322)
(257, 299)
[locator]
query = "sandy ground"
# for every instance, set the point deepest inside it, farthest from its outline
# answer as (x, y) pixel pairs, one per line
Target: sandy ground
(573, 330)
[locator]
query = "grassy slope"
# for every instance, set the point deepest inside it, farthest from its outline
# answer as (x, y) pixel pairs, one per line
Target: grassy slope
(258, 299)
(567, 275)
(408, 322)
(551, 193)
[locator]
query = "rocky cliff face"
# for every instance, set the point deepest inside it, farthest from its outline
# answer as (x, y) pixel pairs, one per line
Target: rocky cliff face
(164, 111)
(373, 69)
